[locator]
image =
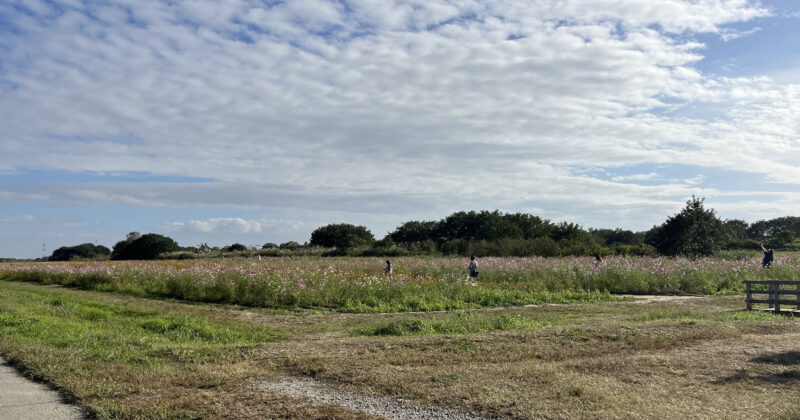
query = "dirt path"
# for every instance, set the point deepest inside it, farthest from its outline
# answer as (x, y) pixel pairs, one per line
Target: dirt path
(22, 399)
(662, 298)
(390, 408)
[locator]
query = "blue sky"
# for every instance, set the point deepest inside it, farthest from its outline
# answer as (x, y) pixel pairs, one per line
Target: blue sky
(252, 121)
(767, 46)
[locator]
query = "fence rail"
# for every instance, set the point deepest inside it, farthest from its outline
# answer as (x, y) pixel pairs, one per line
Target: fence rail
(775, 293)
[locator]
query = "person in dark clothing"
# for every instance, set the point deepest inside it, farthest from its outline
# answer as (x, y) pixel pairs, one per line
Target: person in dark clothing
(769, 256)
(597, 260)
(388, 268)
(473, 267)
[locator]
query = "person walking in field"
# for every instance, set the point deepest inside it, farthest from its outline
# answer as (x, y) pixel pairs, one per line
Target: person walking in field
(769, 256)
(388, 268)
(473, 267)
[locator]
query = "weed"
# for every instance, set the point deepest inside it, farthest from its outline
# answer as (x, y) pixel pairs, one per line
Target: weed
(750, 316)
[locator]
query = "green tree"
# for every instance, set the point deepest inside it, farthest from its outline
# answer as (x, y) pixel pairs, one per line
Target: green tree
(341, 236)
(291, 245)
(736, 229)
(459, 225)
(487, 226)
(495, 226)
(414, 231)
(118, 251)
(783, 238)
(386, 242)
(237, 247)
(767, 229)
(530, 226)
(146, 247)
(85, 251)
(651, 235)
(573, 232)
(694, 231)
(607, 237)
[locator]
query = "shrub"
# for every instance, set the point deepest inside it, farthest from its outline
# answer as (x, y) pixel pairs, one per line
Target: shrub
(291, 245)
(575, 247)
(638, 250)
(147, 247)
(85, 251)
(743, 244)
(341, 236)
(694, 231)
(414, 232)
(237, 247)
(545, 247)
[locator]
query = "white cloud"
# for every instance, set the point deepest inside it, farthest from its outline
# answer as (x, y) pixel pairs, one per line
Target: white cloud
(792, 14)
(17, 219)
(637, 177)
(400, 107)
(730, 35)
(222, 231)
(232, 225)
(695, 180)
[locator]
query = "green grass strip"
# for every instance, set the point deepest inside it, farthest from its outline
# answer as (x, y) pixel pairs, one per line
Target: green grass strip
(98, 350)
(458, 323)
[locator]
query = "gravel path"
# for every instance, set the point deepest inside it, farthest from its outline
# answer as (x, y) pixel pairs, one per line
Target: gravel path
(389, 408)
(663, 298)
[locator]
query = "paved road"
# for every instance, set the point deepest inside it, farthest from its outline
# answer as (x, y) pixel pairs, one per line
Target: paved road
(23, 399)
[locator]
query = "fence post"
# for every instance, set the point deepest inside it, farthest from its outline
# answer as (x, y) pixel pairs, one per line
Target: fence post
(750, 304)
(777, 297)
(770, 294)
(798, 296)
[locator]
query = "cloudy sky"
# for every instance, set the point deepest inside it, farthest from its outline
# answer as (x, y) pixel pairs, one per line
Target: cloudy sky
(257, 121)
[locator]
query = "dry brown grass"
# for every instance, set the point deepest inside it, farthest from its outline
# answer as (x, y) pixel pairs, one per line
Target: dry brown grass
(611, 370)
(674, 359)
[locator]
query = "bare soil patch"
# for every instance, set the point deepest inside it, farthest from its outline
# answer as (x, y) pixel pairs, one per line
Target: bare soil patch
(318, 393)
(665, 298)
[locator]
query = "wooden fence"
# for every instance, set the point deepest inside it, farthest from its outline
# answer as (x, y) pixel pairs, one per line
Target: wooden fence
(775, 291)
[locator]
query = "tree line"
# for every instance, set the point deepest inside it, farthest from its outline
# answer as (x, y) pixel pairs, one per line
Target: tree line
(694, 231)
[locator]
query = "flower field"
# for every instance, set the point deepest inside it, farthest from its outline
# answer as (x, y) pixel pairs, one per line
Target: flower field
(417, 284)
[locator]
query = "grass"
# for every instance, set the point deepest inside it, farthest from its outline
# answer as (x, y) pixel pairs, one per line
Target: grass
(454, 323)
(418, 284)
(599, 369)
(99, 351)
(309, 283)
(130, 357)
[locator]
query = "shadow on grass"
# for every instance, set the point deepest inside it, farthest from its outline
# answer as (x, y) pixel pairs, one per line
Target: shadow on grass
(789, 358)
(788, 376)
(784, 359)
